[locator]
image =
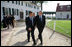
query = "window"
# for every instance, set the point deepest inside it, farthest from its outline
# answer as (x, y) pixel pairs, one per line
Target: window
(19, 2)
(22, 3)
(68, 7)
(26, 4)
(3, 8)
(12, 1)
(27, 12)
(12, 11)
(60, 13)
(9, 11)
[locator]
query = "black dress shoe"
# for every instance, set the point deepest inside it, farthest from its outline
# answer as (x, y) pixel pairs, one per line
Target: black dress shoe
(34, 44)
(41, 43)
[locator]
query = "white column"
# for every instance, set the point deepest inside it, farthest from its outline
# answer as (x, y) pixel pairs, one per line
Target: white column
(8, 11)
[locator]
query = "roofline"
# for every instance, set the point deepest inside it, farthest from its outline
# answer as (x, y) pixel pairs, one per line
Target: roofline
(64, 5)
(63, 11)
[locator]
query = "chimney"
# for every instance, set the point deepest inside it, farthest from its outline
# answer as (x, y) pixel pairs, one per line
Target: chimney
(57, 7)
(57, 4)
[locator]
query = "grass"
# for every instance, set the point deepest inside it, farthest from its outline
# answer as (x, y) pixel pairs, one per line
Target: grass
(62, 26)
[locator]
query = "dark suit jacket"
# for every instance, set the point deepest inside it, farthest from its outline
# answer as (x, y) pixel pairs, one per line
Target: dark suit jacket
(4, 22)
(8, 20)
(29, 23)
(40, 24)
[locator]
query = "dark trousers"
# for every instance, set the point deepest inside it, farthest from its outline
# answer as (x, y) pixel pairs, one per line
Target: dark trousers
(40, 34)
(8, 25)
(12, 24)
(32, 34)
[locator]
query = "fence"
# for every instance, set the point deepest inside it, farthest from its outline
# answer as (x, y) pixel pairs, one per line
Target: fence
(61, 26)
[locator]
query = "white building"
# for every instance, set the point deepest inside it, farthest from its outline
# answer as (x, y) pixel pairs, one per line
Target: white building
(63, 11)
(20, 9)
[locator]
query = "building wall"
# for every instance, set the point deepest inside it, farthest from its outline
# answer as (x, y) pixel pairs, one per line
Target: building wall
(63, 14)
(19, 7)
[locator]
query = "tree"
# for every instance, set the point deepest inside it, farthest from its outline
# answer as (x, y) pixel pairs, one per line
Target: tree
(41, 2)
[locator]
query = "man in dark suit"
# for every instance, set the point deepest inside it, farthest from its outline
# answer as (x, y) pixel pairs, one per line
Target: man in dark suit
(12, 20)
(4, 21)
(30, 26)
(8, 21)
(40, 23)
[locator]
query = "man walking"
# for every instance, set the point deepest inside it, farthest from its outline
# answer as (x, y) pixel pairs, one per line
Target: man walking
(40, 22)
(12, 20)
(8, 21)
(30, 26)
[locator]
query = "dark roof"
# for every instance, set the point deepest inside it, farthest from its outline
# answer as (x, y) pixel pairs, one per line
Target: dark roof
(49, 12)
(61, 8)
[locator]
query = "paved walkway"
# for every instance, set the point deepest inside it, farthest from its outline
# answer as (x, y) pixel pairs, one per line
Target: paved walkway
(18, 37)
(4, 35)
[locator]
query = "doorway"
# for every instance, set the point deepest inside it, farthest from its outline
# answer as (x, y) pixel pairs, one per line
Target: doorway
(21, 15)
(67, 16)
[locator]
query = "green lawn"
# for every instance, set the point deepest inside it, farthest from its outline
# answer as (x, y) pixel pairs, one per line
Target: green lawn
(62, 26)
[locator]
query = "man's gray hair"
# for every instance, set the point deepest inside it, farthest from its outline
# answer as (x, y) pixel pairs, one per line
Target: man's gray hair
(40, 11)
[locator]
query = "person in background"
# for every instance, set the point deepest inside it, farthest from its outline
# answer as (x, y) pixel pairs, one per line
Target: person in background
(4, 21)
(35, 19)
(34, 14)
(12, 20)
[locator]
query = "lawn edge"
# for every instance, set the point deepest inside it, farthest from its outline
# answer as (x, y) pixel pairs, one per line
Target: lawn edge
(59, 32)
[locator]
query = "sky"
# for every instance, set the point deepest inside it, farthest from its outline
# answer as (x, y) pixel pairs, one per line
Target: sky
(51, 5)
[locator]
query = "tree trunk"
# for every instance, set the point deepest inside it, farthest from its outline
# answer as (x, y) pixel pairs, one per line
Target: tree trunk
(41, 6)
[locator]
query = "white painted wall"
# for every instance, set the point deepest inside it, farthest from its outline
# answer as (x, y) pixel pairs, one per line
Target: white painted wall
(19, 7)
(64, 14)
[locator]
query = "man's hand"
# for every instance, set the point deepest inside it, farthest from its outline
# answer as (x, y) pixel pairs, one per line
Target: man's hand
(29, 29)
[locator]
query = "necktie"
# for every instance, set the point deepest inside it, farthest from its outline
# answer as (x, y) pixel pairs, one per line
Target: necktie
(41, 18)
(32, 20)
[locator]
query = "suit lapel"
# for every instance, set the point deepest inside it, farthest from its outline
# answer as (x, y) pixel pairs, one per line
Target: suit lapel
(31, 20)
(40, 19)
